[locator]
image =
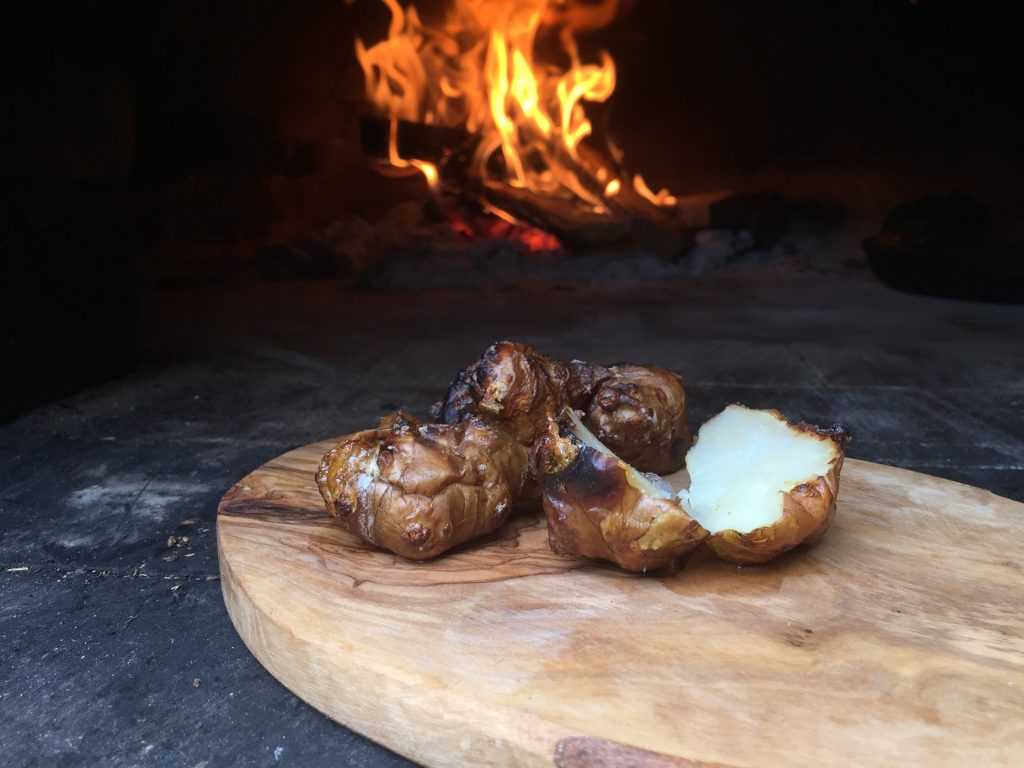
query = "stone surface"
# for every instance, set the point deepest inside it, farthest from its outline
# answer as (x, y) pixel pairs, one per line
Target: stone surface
(108, 621)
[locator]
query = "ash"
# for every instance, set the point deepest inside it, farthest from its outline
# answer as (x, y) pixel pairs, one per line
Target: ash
(413, 246)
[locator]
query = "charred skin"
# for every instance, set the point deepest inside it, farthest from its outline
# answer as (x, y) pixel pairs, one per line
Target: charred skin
(639, 412)
(595, 509)
(807, 511)
(420, 490)
(584, 380)
(518, 390)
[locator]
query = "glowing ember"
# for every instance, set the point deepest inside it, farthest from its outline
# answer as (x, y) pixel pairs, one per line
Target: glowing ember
(478, 70)
(500, 225)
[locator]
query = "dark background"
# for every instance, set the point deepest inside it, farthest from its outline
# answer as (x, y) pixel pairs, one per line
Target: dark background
(169, 141)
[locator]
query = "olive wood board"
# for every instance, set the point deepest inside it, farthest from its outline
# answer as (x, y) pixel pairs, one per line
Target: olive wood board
(897, 640)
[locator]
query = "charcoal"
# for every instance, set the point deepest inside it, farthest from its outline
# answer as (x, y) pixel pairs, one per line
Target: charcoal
(766, 215)
(943, 245)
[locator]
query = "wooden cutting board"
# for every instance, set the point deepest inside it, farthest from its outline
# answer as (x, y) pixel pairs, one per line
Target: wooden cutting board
(896, 641)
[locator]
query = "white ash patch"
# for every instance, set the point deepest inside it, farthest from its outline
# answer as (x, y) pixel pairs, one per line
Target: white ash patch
(116, 509)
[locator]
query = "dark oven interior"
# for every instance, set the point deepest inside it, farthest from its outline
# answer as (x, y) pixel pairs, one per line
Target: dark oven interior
(150, 148)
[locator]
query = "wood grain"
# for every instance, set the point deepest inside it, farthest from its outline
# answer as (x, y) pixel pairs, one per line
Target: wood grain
(895, 641)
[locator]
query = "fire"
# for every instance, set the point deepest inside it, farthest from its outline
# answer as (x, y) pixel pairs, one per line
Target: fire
(429, 170)
(664, 197)
(479, 70)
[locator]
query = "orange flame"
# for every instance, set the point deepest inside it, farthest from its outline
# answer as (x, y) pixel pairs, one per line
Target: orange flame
(429, 170)
(662, 198)
(478, 70)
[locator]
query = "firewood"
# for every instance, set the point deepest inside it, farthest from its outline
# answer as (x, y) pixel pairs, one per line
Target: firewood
(629, 216)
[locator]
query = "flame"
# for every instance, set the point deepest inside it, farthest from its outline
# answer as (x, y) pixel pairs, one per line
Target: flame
(478, 69)
(429, 170)
(662, 198)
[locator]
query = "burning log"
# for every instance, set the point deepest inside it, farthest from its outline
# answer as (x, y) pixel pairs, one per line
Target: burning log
(574, 226)
(627, 215)
(472, 104)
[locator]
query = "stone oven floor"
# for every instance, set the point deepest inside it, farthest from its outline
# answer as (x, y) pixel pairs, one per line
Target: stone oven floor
(118, 646)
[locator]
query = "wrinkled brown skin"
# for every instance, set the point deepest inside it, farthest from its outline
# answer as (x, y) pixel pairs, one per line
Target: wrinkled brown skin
(807, 511)
(594, 510)
(518, 390)
(639, 412)
(421, 491)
